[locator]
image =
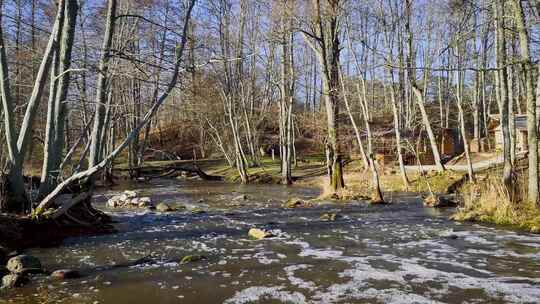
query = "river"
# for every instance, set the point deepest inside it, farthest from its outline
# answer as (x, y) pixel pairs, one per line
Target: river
(398, 253)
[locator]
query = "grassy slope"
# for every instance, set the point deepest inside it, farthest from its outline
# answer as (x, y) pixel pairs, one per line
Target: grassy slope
(488, 202)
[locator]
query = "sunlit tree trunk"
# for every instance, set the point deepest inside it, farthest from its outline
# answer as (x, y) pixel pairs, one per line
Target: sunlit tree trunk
(498, 8)
(99, 129)
(532, 128)
(60, 79)
(326, 44)
(17, 142)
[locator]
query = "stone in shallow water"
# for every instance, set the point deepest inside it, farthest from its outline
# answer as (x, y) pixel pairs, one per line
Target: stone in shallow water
(192, 258)
(113, 202)
(329, 217)
(449, 234)
(24, 264)
(259, 234)
(130, 194)
(535, 229)
(162, 207)
(144, 202)
(439, 201)
(63, 274)
(243, 197)
(129, 199)
(296, 203)
(14, 280)
(197, 211)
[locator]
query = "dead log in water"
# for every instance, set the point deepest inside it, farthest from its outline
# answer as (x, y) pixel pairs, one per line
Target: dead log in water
(150, 172)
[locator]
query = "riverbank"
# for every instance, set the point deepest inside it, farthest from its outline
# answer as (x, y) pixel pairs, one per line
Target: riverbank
(18, 232)
(487, 201)
(311, 171)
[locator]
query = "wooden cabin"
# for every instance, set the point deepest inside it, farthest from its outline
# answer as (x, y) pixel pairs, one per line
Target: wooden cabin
(451, 143)
(520, 123)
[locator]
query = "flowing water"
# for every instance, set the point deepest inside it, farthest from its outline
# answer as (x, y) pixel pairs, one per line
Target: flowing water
(400, 253)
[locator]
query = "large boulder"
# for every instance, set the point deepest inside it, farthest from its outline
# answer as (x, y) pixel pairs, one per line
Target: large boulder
(23, 264)
(14, 280)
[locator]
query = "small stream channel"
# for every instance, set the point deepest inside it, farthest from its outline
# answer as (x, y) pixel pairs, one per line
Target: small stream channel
(400, 253)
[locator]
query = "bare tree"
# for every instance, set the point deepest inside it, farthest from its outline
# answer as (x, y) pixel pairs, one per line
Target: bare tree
(324, 41)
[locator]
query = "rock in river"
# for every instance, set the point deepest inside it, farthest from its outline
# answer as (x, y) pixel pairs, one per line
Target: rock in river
(439, 201)
(329, 217)
(130, 194)
(162, 207)
(243, 197)
(24, 264)
(259, 234)
(14, 280)
(63, 274)
(129, 199)
(144, 202)
(192, 258)
(296, 203)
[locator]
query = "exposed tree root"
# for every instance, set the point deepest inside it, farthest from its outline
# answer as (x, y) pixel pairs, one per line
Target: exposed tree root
(19, 232)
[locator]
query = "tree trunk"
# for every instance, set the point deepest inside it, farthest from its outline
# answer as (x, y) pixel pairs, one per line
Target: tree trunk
(425, 119)
(17, 143)
(501, 54)
(56, 124)
(101, 94)
(459, 97)
(532, 128)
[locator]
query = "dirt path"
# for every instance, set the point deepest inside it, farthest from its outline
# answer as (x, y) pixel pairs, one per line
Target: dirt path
(477, 166)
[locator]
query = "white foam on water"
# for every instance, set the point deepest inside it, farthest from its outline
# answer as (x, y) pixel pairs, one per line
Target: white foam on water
(413, 271)
(504, 253)
(263, 258)
(296, 281)
(308, 251)
(363, 275)
(257, 293)
(200, 246)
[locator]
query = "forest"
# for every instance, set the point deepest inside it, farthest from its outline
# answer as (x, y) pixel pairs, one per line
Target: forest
(315, 151)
